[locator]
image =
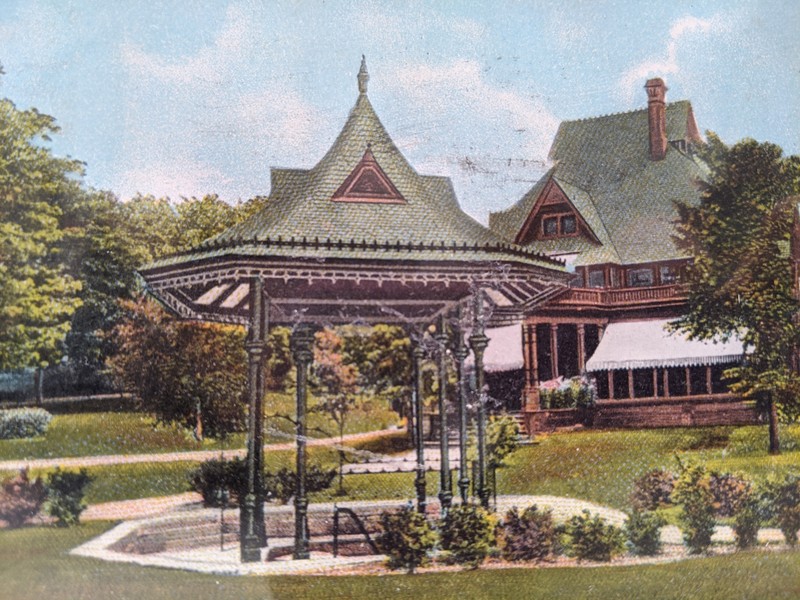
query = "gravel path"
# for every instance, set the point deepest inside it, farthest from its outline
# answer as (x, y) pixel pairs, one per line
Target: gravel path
(162, 457)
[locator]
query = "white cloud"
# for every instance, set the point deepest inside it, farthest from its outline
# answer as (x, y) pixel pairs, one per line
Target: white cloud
(209, 64)
(175, 179)
(669, 63)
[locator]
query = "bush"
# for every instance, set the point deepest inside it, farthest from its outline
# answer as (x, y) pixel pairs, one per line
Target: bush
(592, 538)
(577, 392)
(729, 491)
(407, 538)
(746, 522)
(643, 530)
(23, 422)
(21, 498)
(281, 485)
(782, 500)
(693, 493)
(502, 438)
(215, 475)
(652, 490)
(528, 536)
(467, 533)
(65, 492)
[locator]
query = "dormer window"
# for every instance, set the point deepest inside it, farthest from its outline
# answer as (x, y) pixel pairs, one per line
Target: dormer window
(559, 225)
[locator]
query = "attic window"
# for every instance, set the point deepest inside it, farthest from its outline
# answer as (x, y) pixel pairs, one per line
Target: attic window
(559, 225)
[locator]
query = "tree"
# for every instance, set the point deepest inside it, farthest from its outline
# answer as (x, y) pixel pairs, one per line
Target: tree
(189, 373)
(336, 383)
(740, 282)
(37, 295)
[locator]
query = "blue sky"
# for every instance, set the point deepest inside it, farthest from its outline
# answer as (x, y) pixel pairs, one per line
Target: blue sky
(188, 98)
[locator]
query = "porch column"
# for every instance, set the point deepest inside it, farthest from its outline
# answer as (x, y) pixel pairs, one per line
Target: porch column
(631, 393)
(655, 383)
(581, 347)
(688, 375)
(418, 354)
(610, 384)
(302, 338)
(708, 380)
(252, 536)
(478, 342)
(445, 480)
(666, 382)
(554, 349)
(460, 352)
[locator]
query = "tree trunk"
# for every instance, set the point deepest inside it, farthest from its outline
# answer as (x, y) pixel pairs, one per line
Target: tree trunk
(198, 428)
(39, 383)
(774, 440)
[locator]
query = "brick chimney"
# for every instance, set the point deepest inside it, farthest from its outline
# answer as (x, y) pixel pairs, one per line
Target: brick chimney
(657, 117)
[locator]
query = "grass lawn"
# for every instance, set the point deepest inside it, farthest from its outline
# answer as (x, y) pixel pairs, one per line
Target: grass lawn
(127, 432)
(34, 564)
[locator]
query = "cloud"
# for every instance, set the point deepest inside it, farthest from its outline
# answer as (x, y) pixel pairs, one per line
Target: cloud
(174, 179)
(209, 64)
(668, 63)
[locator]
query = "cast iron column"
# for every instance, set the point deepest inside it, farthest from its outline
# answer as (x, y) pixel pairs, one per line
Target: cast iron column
(252, 534)
(445, 481)
(460, 352)
(478, 342)
(302, 338)
(418, 354)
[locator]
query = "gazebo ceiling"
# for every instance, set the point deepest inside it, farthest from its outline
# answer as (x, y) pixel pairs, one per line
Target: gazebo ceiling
(359, 237)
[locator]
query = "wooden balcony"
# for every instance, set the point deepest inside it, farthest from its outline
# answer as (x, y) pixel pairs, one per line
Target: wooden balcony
(622, 297)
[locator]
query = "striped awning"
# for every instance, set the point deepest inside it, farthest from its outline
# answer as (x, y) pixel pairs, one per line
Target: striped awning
(650, 344)
(504, 352)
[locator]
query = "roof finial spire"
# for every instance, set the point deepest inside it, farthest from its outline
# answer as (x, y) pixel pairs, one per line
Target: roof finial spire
(363, 76)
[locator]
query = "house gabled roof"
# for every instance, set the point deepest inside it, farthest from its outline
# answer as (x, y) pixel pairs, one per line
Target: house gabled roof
(604, 167)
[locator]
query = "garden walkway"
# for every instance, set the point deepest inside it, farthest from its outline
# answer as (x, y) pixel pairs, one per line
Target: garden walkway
(165, 457)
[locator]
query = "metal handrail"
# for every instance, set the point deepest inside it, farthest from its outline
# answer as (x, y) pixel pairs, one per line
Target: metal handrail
(359, 524)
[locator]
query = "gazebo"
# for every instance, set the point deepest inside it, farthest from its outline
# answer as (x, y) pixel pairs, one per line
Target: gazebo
(359, 238)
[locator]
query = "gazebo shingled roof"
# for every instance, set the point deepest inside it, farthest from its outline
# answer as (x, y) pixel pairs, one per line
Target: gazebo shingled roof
(405, 255)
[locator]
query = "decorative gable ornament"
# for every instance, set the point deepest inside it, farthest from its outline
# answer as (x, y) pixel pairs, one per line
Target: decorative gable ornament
(368, 183)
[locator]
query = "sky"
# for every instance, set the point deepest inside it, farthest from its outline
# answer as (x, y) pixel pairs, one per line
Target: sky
(184, 99)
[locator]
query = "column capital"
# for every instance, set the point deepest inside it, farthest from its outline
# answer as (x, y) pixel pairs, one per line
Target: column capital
(300, 344)
(478, 342)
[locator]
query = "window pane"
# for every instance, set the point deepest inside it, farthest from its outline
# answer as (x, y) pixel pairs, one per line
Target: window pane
(568, 224)
(640, 277)
(551, 226)
(669, 275)
(597, 279)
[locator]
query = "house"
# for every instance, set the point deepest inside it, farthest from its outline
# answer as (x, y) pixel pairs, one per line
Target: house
(608, 207)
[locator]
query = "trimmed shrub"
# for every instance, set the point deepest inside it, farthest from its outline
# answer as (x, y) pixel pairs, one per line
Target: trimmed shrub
(530, 535)
(467, 533)
(652, 490)
(23, 422)
(643, 530)
(693, 493)
(65, 492)
(407, 538)
(281, 485)
(782, 501)
(746, 522)
(502, 438)
(21, 498)
(729, 492)
(215, 475)
(592, 538)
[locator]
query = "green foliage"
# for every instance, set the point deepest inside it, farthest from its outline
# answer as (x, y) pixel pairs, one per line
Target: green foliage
(652, 490)
(214, 476)
(23, 422)
(467, 533)
(530, 535)
(189, 373)
(643, 530)
(65, 492)
(746, 521)
(592, 538)
(279, 364)
(21, 498)
(693, 494)
(282, 485)
(502, 439)
(38, 295)
(407, 538)
(729, 492)
(781, 498)
(577, 392)
(740, 282)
